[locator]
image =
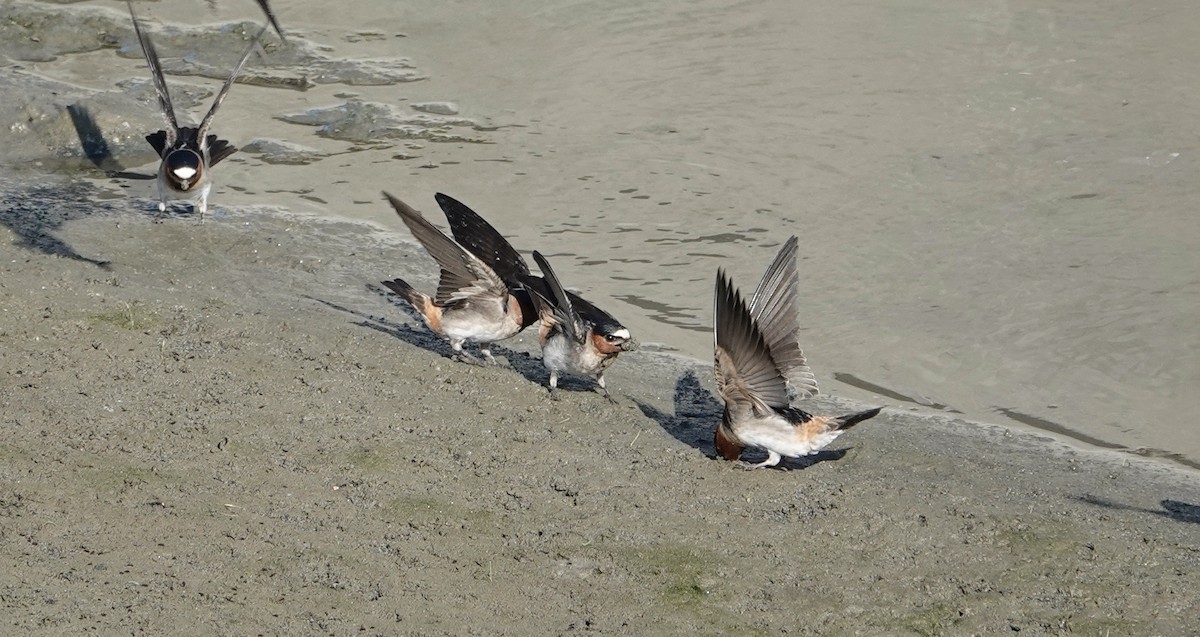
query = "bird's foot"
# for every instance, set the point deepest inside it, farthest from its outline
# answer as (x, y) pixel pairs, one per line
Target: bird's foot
(772, 460)
(464, 357)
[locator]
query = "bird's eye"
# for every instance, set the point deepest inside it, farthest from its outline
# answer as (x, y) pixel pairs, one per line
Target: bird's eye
(610, 338)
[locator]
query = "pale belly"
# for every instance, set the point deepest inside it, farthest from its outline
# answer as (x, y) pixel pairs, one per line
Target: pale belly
(777, 434)
(476, 326)
(559, 354)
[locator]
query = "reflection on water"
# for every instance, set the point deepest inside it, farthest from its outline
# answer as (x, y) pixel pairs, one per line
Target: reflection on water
(663, 313)
(1051, 426)
(924, 401)
(724, 237)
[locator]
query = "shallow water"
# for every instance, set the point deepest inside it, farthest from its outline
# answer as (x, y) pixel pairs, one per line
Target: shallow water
(995, 200)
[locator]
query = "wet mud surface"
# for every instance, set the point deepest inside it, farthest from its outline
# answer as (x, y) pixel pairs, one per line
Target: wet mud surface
(225, 428)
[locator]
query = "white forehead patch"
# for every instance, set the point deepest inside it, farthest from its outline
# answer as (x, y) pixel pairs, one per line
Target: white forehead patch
(184, 172)
(621, 333)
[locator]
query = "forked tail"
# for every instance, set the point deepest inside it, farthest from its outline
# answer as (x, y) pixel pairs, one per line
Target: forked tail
(406, 291)
(846, 422)
(422, 303)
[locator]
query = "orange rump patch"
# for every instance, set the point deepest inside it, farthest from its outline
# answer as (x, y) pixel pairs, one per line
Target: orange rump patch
(813, 428)
(432, 314)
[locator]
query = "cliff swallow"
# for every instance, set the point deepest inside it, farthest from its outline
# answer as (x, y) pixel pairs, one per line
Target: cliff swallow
(757, 353)
(188, 153)
(472, 301)
(577, 337)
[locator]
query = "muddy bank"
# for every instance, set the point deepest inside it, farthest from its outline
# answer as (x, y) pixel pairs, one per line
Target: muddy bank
(221, 428)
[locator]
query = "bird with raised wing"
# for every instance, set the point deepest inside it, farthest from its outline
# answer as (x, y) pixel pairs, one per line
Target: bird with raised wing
(757, 356)
(472, 302)
(188, 153)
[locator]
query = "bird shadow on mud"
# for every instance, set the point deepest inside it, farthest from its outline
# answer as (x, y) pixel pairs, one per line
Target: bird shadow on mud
(1171, 509)
(91, 140)
(35, 213)
(523, 363)
(697, 413)
(95, 147)
(421, 338)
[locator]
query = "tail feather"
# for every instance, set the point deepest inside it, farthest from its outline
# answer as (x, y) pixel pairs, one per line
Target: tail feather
(406, 291)
(848, 421)
(422, 303)
(218, 149)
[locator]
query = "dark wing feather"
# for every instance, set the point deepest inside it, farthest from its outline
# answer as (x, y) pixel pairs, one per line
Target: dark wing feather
(218, 149)
(745, 373)
(528, 301)
(158, 140)
(271, 17)
(590, 313)
(797, 416)
(481, 239)
(561, 304)
(543, 299)
(463, 275)
(160, 83)
(212, 5)
(207, 121)
(773, 307)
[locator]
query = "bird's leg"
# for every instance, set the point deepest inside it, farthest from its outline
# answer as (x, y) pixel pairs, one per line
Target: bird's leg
(600, 381)
(462, 355)
(553, 384)
(202, 205)
(162, 199)
(772, 460)
(486, 350)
